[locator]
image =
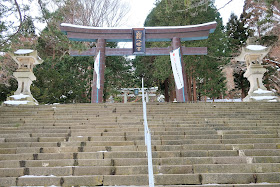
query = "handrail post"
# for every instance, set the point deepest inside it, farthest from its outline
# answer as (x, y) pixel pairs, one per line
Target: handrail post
(148, 142)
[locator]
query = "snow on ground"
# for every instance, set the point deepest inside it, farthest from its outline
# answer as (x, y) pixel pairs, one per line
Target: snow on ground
(271, 97)
(20, 96)
(261, 91)
(260, 98)
(17, 97)
(225, 100)
(16, 102)
(32, 176)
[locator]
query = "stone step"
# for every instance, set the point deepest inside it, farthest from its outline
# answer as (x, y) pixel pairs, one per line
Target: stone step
(166, 154)
(237, 168)
(48, 142)
(94, 170)
(154, 132)
(135, 106)
(139, 180)
(232, 160)
(229, 132)
(20, 150)
(98, 143)
(125, 154)
(229, 128)
(156, 115)
(130, 127)
(240, 136)
(42, 156)
(250, 140)
(36, 139)
(30, 130)
(161, 179)
(152, 113)
(19, 135)
(215, 141)
(133, 111)
(140, 169)
(90, 147)
(261, 152)
(28, 144)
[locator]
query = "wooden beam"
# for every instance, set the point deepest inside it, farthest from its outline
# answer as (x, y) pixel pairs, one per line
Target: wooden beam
(149, 30)
(185, 33)
(149, 51)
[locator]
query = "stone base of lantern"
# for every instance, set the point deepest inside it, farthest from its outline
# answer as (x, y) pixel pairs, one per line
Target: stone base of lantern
(22, 95)
(258, 92)
(261, 95)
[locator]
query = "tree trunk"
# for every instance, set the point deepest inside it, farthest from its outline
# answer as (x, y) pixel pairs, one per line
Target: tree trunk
(172, 95)
(172, 90)
(166, 90)
(267, 85)
(277, 87)
(194, 90)
(205, 97)
(189, 89)
(243, 94)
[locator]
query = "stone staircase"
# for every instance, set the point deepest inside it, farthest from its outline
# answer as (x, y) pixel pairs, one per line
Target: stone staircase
(194, 144)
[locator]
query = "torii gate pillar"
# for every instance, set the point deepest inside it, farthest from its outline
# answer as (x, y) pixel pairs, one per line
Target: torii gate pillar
(97, 94)
(181, 94)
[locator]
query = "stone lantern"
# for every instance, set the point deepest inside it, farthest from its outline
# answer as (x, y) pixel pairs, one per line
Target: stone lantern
(26, 60)
(253, 54)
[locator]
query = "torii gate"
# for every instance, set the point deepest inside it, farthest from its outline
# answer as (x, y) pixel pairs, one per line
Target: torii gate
(138, 36)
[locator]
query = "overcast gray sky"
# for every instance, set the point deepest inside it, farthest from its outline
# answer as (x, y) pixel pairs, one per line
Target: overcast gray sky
(141, 8)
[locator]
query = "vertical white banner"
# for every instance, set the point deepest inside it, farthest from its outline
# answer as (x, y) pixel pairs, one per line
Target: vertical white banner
(96, 69)
(177, 68)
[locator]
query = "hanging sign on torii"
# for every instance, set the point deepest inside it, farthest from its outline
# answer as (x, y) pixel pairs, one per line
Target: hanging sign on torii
(177, 68)
(139, 41)
(97, 69)
(138, 36)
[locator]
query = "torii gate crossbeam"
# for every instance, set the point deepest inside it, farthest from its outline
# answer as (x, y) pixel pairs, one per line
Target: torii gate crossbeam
(138, 36)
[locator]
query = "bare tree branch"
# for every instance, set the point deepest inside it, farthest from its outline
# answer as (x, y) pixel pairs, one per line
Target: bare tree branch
(96, 13)
(19, 12)
(19, 27)
(225, 5)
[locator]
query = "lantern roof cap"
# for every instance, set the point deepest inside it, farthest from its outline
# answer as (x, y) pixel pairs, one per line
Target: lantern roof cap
(23, 51)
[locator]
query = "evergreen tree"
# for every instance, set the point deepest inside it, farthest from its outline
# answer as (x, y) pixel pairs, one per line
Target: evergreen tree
(63, 80)
(241, 82)
(118, 74)
(237, 34)
(3, 24)
(262, 16)
(6, 89)
(175, 13)
(27, 29)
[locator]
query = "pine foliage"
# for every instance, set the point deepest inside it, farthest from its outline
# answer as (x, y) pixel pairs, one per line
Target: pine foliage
(204, 72)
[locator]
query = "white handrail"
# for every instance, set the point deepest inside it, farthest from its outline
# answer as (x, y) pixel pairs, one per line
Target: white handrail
(148, 142)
